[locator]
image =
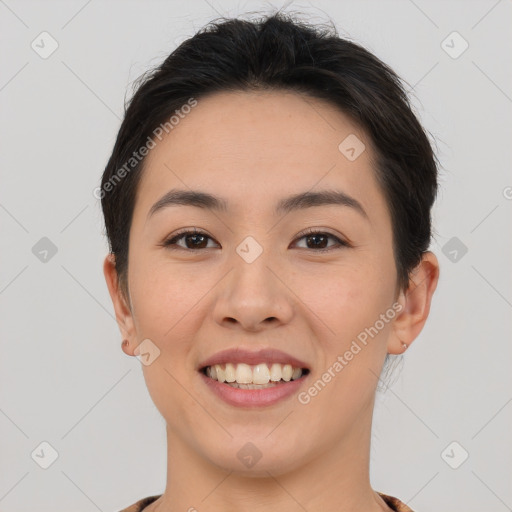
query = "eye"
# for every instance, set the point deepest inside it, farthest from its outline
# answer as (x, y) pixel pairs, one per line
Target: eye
(319, 238)
(196, 237)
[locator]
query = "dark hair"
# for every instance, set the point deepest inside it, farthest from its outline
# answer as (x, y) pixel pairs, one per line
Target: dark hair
(280, 53)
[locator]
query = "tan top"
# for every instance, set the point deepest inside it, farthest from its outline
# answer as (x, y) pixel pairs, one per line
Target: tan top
(394, 503)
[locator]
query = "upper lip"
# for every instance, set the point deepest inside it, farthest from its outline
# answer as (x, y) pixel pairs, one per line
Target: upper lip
(252, 357)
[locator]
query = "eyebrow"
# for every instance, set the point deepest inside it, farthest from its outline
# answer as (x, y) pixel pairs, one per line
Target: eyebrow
(295, 202)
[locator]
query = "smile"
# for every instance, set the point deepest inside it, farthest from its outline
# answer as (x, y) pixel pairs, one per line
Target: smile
(249, 386)
(259, 376)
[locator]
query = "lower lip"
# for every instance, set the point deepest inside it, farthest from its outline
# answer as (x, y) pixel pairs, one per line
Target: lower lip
(253, 397)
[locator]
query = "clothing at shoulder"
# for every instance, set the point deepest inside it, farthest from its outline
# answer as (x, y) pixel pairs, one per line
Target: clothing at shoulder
(141, 504)
(394, 503)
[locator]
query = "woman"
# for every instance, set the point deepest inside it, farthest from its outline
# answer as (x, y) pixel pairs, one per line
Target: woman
(267, 205)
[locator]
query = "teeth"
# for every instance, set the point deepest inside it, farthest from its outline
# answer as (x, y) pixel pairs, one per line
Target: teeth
(221, 374)
(287, 372)
(275, 372)
(252, 386)
(243, 374)
(246, 376)
(260, 374)
(230, 373)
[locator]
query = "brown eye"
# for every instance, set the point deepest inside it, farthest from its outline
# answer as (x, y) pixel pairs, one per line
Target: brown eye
(193, 240)
(318, 240)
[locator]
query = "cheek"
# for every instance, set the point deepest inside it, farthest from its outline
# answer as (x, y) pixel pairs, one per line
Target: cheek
(162, 296)
(348, 304)
(353, 350)
(346, 297)
(164, 313)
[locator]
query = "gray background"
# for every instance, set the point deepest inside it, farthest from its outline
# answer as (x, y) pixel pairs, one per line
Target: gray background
(63, 376)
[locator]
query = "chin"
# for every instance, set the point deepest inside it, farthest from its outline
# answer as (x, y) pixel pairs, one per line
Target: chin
(256, 458)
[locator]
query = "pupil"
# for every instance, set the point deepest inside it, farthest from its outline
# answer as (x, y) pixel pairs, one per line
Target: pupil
(317, 236)
(195, 236)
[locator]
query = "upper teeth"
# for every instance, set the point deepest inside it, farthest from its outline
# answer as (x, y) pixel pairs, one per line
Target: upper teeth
(253, 374)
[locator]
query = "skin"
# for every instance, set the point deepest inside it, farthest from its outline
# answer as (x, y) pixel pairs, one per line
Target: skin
(253, 149)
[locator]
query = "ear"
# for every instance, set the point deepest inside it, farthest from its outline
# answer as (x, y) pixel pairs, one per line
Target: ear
(124, 315)
(415, 302)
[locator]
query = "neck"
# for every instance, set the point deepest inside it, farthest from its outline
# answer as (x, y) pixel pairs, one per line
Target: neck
(333, 480)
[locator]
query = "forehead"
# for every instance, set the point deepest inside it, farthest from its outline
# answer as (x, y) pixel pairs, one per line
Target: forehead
(257, 147)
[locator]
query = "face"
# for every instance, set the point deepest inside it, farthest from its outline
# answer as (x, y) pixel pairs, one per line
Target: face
(251, 278)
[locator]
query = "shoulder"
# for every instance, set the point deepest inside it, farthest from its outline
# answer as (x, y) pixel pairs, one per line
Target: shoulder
(395, 503)
(141, 504)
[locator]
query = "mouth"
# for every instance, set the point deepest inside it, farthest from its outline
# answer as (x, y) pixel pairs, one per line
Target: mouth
(259, 376)
(253, 378)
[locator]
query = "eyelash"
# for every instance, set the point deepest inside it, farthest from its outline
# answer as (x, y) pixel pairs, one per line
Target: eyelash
(308, 232)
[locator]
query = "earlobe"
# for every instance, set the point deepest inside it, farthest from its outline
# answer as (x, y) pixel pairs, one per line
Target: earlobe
(123, 313)
(127, 349)
(415, 304)
(395, 344)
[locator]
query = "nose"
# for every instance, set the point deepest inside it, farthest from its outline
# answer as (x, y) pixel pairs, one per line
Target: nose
(254, 296)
